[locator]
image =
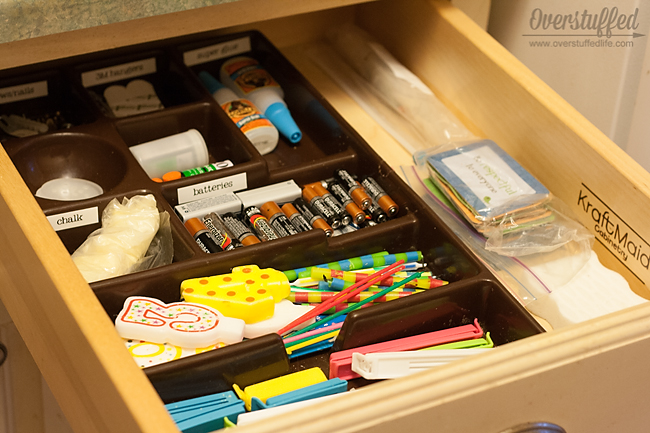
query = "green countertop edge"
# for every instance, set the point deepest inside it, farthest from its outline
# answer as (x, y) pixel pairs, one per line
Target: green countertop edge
(25, 19)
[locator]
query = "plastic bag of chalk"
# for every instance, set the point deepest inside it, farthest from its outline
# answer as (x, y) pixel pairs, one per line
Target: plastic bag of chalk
(134, 236)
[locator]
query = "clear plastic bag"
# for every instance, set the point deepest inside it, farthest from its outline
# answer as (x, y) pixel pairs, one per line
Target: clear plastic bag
(124, 242)
(515, 213)
(385, 89)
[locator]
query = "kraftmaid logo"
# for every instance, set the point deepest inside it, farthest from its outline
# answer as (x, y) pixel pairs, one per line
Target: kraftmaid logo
(626, 244)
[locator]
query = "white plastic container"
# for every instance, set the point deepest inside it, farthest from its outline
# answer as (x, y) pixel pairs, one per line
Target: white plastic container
(257, 128)
(246, 77)
(176, 152)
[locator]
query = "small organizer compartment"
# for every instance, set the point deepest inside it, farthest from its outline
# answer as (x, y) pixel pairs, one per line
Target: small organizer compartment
(223, 141)
(325, 136)
(39, 103)
(99, 151)
(136, 83)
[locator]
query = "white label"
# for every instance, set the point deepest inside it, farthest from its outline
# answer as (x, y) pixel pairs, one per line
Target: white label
(499, 187)
(217, 51)
(212, 188)
(76, 218)
(23, 91)
(119, 72)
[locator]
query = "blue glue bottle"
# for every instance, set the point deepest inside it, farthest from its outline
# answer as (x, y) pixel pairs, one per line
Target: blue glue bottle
(257, 128)
(250, 80)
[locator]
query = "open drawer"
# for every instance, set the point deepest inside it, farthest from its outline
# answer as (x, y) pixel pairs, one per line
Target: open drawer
(583, 377)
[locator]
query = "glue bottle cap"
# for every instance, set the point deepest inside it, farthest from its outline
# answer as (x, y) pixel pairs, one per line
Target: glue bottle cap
(281, 118)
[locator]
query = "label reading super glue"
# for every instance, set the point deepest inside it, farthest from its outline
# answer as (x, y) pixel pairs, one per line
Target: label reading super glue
(217, 51)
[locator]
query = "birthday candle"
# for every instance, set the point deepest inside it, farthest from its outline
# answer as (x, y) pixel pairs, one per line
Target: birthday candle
(317, 297)
(421, 283)
(362, 262)
(339, 285)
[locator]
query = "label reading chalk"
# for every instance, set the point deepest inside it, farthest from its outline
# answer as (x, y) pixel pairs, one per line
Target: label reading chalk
(21, 92)
(217, 51)
(119, 72)
(212, 188)
(75, 218)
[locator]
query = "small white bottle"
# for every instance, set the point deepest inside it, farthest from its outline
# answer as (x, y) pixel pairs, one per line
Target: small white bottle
(257, 128)
(249, 80)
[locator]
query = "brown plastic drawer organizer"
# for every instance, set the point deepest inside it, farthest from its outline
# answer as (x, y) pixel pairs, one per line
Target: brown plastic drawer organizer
(86, 140)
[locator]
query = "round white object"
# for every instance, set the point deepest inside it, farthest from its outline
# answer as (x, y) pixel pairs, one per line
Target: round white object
(69, 189)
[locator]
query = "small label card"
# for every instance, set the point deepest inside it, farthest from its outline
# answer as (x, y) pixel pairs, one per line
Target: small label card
(75, 218)
(212, 188)
(23, 91)
(217, 51)
(119, 72)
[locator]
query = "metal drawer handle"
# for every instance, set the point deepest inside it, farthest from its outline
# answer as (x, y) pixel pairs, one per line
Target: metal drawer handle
(535, 427)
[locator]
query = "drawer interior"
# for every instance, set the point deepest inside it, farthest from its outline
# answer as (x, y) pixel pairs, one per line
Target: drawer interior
(98, 150)
(463, 66)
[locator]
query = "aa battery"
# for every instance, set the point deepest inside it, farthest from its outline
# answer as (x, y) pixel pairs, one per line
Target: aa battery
(319, 206)
(219, 232)
(332, 203)
(278, 219)
(315, 220)
(238, 229)
(259, 224)
(354, 189)
(376, 213)
(296, 218)
(379, 196)
(358, 216)
(202, 236)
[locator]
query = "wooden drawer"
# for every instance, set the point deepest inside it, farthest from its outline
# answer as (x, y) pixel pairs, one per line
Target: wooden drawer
(588, 377)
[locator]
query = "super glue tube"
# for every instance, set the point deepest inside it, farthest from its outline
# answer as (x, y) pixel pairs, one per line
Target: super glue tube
(257, 128)
(246, 77)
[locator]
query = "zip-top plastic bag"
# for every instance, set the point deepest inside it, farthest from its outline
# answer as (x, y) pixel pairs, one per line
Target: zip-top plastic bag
(515, 212)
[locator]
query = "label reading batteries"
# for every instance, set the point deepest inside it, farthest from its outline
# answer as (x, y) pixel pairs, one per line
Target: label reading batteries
(212, 188)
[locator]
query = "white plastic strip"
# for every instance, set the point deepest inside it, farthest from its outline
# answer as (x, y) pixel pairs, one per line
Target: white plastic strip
(391, 365)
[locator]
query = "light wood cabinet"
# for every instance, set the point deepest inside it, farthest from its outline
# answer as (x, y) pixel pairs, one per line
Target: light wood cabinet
(591, 377)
